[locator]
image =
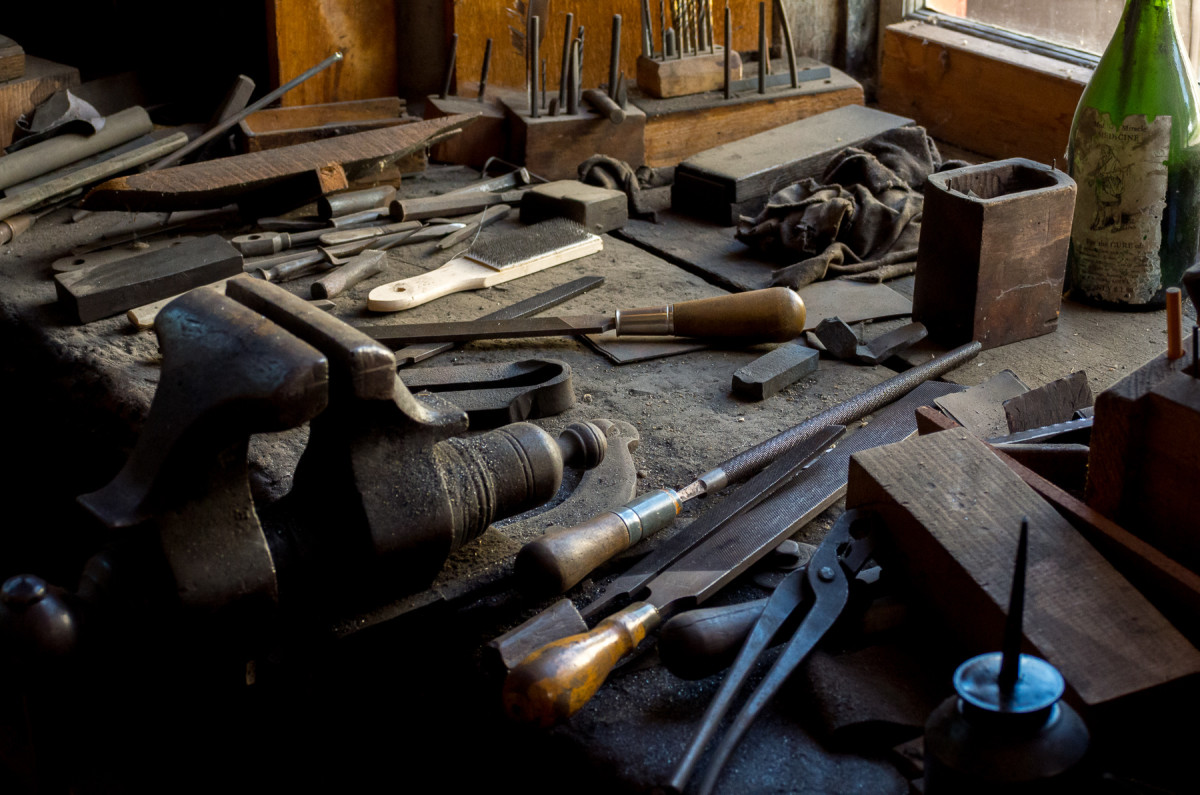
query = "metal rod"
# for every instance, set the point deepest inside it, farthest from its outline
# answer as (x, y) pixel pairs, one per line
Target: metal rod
(728, 52)
(1010, 666)
(213, 132)
(543, 78)
(573, 78)
(563, 80)
(762, 48)
(711, 35)
(662, 25)
(787, 42)
(647, 30)
(535, 59)
(451, 61)
(483, 72)
(614, 56)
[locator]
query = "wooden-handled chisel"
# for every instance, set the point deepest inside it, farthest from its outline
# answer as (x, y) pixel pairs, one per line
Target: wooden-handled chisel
(771, 315)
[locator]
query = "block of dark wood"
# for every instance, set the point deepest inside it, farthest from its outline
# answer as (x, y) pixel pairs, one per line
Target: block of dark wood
(215, 183)
(485, 137)
(115, 287)
(1051, 403)
(12, 59)
(1145, 453)
(737, 178)
(20, 95)
(774, 371)
(597, 209)
(953, 512)
(275, 127)
(680, 127)
(981, 408)
(554, 146)
(993, 252)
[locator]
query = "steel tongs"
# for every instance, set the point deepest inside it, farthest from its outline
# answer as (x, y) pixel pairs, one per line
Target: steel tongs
(824, 584)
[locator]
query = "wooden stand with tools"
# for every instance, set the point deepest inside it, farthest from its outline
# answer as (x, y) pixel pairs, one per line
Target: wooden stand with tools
(483, 138)
(691, 74)
(554, 146)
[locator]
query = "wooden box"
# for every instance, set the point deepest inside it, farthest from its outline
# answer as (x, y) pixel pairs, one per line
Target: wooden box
(20, 95)
(554, 146)
(737, 178)
(993, 252)
(691, 74)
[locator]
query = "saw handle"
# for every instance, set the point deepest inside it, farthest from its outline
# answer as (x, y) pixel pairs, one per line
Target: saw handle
(554, 682)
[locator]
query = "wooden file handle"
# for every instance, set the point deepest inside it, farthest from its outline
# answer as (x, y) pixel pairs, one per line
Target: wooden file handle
(554, 682)
(554, 562)
(775, 314)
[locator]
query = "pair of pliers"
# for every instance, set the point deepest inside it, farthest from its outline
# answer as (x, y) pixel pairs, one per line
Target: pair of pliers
(824, 586)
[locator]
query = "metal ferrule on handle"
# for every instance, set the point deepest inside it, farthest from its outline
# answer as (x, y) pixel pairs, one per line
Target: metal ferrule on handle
(652, 320)
(646, 515)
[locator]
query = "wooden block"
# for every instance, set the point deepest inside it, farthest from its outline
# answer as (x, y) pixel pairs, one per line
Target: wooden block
(1173, 589)
(993, 252)
(1052, 403)
(954, 510)
(554, 146)
(1145, 453)
(486, 137)
(771, 372)
(737, 178)
(679, 127)
(116, 287)
(596, 209)
(21, 95)
(215, 183)
(691, 74)
(275, 127)
(983, 96)
(12, 59)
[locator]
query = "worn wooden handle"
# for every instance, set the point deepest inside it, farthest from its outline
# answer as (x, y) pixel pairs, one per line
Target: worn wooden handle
(554, 682)
(564, 555)
(700, 643)
(775, 314)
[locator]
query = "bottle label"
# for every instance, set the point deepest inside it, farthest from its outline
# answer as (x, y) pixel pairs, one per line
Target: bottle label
(1121, 172)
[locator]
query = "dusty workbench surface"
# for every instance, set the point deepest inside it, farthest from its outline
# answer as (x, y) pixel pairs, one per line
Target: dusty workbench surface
(407, 692)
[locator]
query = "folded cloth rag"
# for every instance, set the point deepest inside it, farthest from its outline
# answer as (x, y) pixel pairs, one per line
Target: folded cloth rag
(862, 220)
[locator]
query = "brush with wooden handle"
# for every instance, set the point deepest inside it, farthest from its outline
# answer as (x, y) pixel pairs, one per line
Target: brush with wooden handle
(494, 261)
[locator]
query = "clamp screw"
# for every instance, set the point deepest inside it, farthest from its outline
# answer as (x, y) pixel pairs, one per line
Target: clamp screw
(825, 574)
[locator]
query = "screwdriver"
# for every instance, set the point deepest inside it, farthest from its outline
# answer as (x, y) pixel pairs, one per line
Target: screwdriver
(775, 314)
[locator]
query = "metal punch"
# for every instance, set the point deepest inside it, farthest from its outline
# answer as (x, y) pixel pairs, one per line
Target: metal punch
(823, 587)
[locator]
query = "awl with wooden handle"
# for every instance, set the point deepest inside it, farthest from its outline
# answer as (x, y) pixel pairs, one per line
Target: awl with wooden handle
(771, 315)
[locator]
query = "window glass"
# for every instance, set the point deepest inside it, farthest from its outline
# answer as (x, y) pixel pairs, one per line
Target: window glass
(1081, 24)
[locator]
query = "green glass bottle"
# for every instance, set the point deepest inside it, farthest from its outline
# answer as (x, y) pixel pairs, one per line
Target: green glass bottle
(1135, 153)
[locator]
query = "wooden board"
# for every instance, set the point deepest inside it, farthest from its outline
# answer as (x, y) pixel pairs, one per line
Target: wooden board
(954, 511)
(12, 59)
(302, 33)
(215, 183)
(679, 127)
(41, 79)
(275, 127)
(485, 137)
(554, 146)
(739, 177)
(1050, 403)
(983, 96)
(981, 408)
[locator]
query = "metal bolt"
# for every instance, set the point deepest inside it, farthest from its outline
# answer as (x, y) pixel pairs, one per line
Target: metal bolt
(825, 574)
(23, 590)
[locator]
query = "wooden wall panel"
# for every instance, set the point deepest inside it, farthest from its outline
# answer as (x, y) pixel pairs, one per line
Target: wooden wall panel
(982, 96)
(477, 20)
(302, 33)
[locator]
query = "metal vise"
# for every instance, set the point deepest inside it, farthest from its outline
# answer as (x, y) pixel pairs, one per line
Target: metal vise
(384, 490)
